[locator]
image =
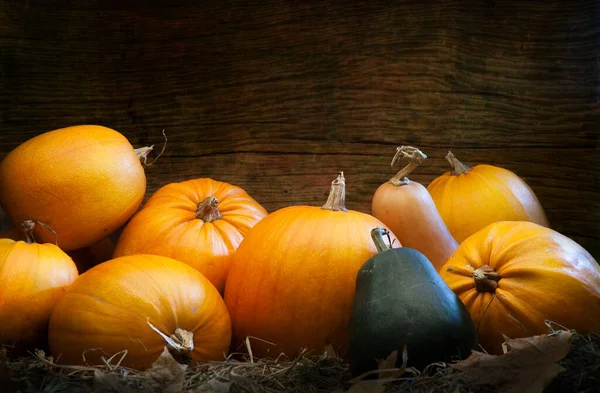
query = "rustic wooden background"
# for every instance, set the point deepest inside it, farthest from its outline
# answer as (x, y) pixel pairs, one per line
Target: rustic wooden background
(279, 96)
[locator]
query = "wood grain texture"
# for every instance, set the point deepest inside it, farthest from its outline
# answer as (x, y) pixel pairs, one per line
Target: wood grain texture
(279, 96)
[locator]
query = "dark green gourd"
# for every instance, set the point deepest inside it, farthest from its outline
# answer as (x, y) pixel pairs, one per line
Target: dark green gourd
(401, 299)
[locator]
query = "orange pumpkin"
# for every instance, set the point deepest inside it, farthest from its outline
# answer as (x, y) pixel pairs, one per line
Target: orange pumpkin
(469, 199)
(33, 277)
(200, 222)
(293, 277)
(83, 181)
(407, 208)
(139, 303)
(514, 275)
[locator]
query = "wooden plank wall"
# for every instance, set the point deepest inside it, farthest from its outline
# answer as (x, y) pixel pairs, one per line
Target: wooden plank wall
(279, 96)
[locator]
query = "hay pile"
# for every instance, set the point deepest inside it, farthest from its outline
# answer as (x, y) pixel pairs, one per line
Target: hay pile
(530, 364)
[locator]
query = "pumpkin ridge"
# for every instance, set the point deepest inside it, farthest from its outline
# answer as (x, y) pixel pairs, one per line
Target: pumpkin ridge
(498, 249)
(106, 315)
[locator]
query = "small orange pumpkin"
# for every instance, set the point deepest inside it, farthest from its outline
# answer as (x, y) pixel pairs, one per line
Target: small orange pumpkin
(293, 277)
(200, 222)
(469, 199)
(407, 208)
(83, 181)
(514, 275)
(33, 277)
(139, 303)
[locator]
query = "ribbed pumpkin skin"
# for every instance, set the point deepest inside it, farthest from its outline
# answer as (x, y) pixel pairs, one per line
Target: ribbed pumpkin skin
(544, 276)
(293, 278)
(486, 194)
(82, 181)
(109, 306)
(32, 279)
(167, 226)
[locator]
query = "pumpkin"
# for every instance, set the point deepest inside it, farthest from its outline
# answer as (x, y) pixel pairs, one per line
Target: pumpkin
(33, 277)
(83, 181)
(514, 275)
(84, 258)
(200, 222)
(292, 280)
(402, 302)
(406, 207)
(139, 304)
(468, 199)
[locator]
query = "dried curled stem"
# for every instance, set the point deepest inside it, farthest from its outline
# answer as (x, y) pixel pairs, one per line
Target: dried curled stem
(458, 168)
(415, 156)
(336, 201)
(486, 279)
(142, 152)
(208, 210)
(180, 341)
(28, 227)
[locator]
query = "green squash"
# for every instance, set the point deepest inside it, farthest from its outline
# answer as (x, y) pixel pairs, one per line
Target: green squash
(400, 300)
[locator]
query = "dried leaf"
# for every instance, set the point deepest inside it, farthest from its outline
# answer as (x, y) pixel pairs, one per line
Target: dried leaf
(528, 366)
(167, 373)
(213, 386)
(330, 351)
(387, 372)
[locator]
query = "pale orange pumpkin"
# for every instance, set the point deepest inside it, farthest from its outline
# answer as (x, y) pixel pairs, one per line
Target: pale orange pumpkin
(514, 275)
(468, 199)
(292, 282)
(83, 181)
(200, 222)
(33, 277)
(139, 303)
(407, 209)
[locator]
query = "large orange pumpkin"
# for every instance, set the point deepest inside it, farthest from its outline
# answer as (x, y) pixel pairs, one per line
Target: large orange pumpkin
(407, 208)
(83, 181)
(514, 275)
(293, 277)
(468, 199)
(141, 304)
(33, 277)
(200, 222)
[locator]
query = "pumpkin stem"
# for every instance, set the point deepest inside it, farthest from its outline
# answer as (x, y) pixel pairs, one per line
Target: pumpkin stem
(337, 195)
(458, 168)
(181, 341)
(28, 226)
(142, 152)
(208, 210)
(377, 235)
(486, 279)
(416, 157)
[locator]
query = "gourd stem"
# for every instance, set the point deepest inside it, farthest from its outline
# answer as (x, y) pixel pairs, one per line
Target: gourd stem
(416, 157)
(142, 152)
(377, 235)
(208, 210)
(337, 195)
(486, 279)
(458, 168)
(28, 226)
(180, 341)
